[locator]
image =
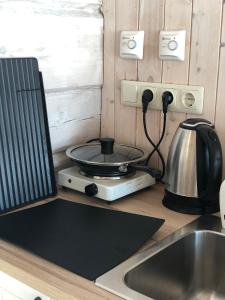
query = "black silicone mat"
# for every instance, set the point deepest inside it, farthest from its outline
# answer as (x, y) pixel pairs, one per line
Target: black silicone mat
(85, 240)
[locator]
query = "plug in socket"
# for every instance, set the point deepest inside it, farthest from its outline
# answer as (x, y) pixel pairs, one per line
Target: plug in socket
(154, 103)
(187, 98)
(189, 101)
(172, 106)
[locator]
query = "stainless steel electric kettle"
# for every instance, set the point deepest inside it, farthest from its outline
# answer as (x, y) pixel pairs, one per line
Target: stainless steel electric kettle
(194, 169)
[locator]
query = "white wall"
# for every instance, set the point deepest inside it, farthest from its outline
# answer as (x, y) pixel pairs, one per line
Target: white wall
(66, 37)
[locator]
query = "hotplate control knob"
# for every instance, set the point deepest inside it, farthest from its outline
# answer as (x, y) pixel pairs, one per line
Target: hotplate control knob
(91, 190)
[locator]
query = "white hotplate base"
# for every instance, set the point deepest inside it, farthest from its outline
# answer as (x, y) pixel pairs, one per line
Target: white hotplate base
(108, 189)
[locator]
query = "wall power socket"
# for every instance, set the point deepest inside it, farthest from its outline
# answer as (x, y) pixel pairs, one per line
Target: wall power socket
(186, 98)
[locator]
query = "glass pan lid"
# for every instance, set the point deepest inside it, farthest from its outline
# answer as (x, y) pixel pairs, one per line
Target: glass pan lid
(92, 153)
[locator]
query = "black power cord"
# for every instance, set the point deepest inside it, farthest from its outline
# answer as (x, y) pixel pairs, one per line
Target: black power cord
(147, 97)
(167, 99)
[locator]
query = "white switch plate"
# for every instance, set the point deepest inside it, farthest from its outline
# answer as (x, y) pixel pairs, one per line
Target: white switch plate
(172, 45)
(131, 44)
(186, 98)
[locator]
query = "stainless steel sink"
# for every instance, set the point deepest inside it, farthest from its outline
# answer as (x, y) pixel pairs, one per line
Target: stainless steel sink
(189, 264)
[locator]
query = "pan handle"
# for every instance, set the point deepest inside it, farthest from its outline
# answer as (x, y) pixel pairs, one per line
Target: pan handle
(153, 172)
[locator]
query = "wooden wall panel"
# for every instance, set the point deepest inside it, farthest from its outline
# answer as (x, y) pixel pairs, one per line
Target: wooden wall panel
(150, 68)
(83, 130)
(125, 117)
(83, 104)
(108, 90)
(67, 38)
(205, 46)
(202, 21)
(177, 17)
(220, 107)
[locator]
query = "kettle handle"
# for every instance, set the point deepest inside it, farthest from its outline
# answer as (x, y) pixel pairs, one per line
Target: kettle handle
(214, 173)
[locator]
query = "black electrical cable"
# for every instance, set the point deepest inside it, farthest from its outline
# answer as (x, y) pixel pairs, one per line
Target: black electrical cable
(160, 140)
(93, 140)
(167, 99)
(155, 147)
(148, 137)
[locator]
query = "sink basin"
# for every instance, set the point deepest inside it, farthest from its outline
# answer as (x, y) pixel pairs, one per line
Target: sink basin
(189, 264)
(191, 268)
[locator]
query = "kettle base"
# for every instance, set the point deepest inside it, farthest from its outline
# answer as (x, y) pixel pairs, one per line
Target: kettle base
(188, 205)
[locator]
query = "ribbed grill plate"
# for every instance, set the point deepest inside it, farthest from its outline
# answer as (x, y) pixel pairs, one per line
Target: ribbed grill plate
(26, 168)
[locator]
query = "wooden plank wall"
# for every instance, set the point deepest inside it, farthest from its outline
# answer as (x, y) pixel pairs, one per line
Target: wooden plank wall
(204, 64)
(66, 37)
(220, 105)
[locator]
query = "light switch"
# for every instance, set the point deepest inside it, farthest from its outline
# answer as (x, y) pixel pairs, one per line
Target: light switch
(172, 45)
(131, 44)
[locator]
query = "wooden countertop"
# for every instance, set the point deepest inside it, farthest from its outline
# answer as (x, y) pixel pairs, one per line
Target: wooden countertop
(60, 284)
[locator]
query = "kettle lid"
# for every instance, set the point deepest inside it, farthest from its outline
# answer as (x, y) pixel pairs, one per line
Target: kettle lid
(193, 123)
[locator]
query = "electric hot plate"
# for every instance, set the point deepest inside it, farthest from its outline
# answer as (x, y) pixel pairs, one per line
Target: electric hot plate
(105, 189)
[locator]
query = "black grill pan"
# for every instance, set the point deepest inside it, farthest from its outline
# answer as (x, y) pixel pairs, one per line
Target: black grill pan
(26, 166)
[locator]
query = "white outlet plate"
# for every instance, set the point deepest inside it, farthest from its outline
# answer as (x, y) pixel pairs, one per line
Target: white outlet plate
(187, 98)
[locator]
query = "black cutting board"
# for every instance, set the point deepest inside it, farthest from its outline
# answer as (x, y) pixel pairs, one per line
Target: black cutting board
(83, 239)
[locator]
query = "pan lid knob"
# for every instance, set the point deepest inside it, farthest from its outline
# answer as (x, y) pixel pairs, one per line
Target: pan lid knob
(107, 145)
